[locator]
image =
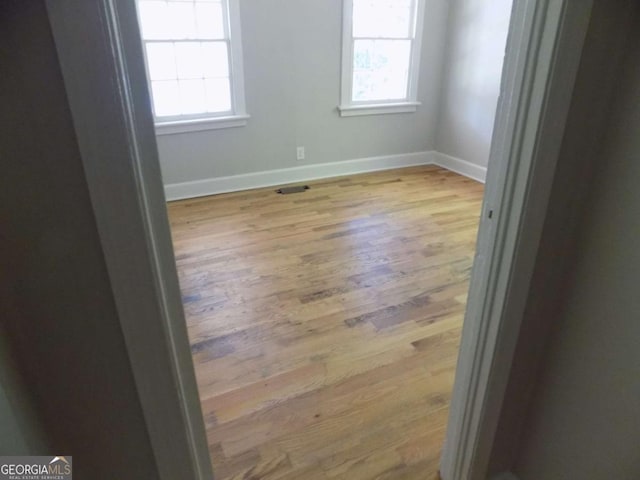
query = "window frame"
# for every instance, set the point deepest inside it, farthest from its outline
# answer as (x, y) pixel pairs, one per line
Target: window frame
(235, 117)
(410, 103)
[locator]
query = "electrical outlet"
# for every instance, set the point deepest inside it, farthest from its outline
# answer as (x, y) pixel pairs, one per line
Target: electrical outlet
(300, 153)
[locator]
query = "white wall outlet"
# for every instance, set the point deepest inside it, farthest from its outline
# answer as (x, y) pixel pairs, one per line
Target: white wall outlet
(300, 153)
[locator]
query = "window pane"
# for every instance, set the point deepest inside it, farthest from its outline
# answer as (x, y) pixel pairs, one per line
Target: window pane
(209, 20)
(218, 94)
(154, 20)
(189, 60)
(192, 96)
(166, 98)
(161, 61)
(178, 20)
(380, 69)
(382, 18)
(215, 59)
(188, 56)
(182, 23)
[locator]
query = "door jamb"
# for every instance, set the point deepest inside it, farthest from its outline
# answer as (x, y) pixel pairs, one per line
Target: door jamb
(542, 57)
(101, 60)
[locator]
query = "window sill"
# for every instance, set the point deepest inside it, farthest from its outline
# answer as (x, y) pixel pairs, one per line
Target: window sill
(200, 124)
(377, 109)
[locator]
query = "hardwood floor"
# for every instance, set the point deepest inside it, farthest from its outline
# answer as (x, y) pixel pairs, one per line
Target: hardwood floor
(325, 324)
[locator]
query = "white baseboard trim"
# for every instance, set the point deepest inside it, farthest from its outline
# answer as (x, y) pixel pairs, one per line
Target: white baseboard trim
(270, 178)
(457, 165)
(283, 176)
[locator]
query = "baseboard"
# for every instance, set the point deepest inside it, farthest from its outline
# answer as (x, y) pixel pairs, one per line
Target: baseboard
(463, 167)
(283, 176)
(270, 178)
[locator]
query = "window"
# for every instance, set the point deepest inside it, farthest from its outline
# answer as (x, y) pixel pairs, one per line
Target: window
(193, 56)
(381, 56)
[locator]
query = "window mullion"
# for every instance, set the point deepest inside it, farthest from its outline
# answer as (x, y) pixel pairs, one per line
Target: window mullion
(226, 20)
(353, 67)
(231, 75)
(226, 16)
(413, 19)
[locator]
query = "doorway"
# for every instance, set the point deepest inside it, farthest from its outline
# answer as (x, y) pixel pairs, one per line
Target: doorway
(515, 175)
(335, 312)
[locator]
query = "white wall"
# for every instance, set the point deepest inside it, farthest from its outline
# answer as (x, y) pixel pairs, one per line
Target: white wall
(584, 422)
(292, 59)
(476, 42)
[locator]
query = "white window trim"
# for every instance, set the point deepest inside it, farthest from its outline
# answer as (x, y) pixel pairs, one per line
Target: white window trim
(349, 108)
(237, 116)
(200, 124)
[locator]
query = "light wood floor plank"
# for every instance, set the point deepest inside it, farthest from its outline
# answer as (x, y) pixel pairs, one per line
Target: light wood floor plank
(325, 325)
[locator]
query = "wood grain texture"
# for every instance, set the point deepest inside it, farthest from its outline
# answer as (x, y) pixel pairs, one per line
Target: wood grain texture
(325, 325)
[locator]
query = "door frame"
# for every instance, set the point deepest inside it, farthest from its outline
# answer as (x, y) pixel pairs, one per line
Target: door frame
(543, 52)
(99, 49)
(101, 59)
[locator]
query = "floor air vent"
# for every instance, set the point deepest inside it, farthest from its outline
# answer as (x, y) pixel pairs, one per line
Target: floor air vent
(296, 189)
